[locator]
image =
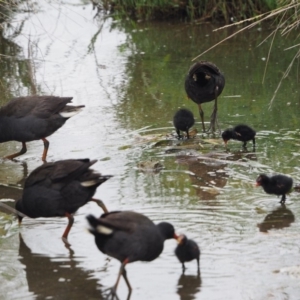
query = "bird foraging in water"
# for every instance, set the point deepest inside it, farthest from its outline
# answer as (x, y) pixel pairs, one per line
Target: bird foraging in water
(129, 236)
(187, 250)
(58, 189)
(241, 132)
(204, 83)
(26, 119)
(183, 120)
(278, 184)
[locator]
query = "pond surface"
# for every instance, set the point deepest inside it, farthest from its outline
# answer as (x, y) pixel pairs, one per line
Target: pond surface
(130, 77)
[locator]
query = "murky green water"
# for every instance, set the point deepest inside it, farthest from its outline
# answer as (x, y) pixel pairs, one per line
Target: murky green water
(130, 77)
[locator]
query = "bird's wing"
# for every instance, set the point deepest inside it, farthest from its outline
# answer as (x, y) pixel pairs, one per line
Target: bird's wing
(50, 105)
(124, 220)
(39, 106)
(62, 171)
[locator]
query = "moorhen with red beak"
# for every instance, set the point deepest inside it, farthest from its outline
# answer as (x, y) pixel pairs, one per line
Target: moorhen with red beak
(31, 118)
(278, 184)
(58, 189)
(129, 236)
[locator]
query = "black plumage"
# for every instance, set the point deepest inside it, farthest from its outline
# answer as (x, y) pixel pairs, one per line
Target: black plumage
(129, 236)
(241, 132)
(183, 120)
(26, 119)
(187, 250)
(277, 184)
(58, 189)
(204, 83)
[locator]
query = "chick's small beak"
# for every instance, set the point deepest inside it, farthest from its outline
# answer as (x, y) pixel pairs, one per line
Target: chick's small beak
(257, 184)
(180, 239)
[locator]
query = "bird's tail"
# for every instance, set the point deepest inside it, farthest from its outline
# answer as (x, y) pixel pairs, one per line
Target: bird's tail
(96, 228)
(93, 223)
(70, 111)
(94, 179)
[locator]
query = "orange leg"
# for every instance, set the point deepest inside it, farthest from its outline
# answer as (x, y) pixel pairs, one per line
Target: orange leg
(46, 147)
(67, 230)
(101, 204)
(122, 272)
(23, 150)
(20, 220)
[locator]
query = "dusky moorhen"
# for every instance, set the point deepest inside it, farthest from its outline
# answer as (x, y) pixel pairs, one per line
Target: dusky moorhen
(26, 119)
(59, 189)
(129, 236)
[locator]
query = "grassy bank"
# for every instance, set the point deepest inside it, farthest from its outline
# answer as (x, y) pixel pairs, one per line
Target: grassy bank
(188, 10)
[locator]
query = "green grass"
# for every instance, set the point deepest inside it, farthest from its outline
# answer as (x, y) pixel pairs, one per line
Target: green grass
(188, 10)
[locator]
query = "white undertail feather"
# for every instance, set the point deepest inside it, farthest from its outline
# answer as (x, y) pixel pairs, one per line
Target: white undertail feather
(89, 183)
(104, 230)
(69, 114)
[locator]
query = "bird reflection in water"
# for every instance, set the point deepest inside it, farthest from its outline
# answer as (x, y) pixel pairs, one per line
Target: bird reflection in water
(189, 286)
(57, 277)
(209, 174)
(279, 218)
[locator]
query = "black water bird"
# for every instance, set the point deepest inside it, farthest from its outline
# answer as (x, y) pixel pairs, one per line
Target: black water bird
(59, 189)
(129, 236)
(241, 132)
(204, 83)
(187, 250)
(26, 119)
(277, 184)
(183, 120)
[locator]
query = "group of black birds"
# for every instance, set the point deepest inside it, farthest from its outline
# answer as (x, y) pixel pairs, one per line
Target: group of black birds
(60, 188)
(204, 83)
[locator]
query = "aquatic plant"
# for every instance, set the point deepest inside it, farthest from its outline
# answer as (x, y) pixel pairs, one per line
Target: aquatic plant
(192, 10)
(285, 18)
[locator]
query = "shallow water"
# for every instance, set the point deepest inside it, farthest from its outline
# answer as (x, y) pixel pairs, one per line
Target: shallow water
(130, 77)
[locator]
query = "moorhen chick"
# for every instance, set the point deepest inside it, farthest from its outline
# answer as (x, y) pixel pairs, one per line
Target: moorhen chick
(276, 184)
(204, 83)
(183, 120)
(26, 119)
(187, 250)
(59, 189)
(129, 236)
(241, 132)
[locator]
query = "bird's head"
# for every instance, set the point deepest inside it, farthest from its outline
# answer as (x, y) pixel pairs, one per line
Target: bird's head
(181, 239)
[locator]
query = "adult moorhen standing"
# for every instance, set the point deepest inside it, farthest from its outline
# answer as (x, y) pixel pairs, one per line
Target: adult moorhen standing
(58, 189)
(187, 250)
(183, 120)
(241, 132)
(26, 119)
(277, 184)
(129, 236)
(204, 83)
